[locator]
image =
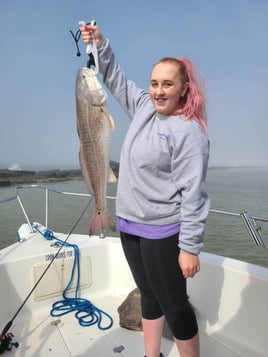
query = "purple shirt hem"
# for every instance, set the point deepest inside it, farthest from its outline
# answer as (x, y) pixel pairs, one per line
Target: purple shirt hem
(147, 230)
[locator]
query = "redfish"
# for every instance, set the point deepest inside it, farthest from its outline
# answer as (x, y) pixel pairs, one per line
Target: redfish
(94, 126)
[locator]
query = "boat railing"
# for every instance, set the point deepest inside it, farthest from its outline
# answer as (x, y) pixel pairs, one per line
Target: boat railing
(251, 222)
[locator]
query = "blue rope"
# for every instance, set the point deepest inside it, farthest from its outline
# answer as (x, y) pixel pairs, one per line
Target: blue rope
(86, 313)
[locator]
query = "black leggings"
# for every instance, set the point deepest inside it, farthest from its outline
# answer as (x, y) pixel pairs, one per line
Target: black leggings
(154, 266)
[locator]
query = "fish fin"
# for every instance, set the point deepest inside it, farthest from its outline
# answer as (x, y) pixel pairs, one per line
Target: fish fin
(100, 222)
(109, 118)
(111, 176)
(111, 121)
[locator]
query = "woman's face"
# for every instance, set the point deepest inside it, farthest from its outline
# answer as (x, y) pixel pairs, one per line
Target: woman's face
(166, 88)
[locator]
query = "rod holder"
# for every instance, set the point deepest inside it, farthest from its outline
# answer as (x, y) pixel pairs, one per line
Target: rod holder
(252, 228)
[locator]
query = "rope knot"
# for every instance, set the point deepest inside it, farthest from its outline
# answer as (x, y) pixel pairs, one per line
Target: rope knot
(48, 234)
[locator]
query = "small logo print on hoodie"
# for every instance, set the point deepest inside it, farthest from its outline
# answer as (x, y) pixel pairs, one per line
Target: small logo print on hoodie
(162, 136)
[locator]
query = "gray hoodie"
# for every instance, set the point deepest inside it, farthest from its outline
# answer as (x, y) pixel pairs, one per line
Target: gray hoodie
(163, 161)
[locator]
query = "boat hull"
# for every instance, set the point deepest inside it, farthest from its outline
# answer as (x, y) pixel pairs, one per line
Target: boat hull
(229, 297)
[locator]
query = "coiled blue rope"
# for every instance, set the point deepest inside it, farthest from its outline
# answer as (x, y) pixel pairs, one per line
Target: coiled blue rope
(86, 313)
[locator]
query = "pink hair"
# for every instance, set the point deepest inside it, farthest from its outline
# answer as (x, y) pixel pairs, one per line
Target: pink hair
(192, 104)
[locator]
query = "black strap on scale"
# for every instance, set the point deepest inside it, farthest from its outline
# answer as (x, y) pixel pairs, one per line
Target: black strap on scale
(76, 37)
(6, 339)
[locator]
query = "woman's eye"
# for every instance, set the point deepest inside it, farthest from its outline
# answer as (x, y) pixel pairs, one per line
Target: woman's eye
(167, 85)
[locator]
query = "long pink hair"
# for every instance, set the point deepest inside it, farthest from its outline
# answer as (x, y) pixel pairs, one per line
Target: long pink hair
(192, 104)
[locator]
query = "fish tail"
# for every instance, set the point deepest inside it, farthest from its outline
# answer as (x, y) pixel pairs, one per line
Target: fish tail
(100, 222)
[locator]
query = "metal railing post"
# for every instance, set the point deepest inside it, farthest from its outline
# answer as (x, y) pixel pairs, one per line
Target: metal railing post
(252, 228)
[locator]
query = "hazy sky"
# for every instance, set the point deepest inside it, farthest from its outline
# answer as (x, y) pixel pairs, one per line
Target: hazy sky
(226, 40)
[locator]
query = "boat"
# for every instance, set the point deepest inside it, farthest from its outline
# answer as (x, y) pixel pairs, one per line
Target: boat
(37, 277)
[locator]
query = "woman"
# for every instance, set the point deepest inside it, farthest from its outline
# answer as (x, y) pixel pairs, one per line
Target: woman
(161, 203)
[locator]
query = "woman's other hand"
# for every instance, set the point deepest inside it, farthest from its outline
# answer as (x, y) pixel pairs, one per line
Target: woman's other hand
(189, 264)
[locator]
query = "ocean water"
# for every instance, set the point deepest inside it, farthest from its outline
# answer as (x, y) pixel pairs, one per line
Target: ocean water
(230, 189)
(237, 190)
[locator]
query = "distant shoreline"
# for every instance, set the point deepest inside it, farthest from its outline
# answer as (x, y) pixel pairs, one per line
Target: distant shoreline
(17, 177)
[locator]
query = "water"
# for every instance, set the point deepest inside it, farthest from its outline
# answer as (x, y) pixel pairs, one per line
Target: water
(235, 190)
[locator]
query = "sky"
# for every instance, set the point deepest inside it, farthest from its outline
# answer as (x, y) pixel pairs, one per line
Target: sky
(226, 41)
